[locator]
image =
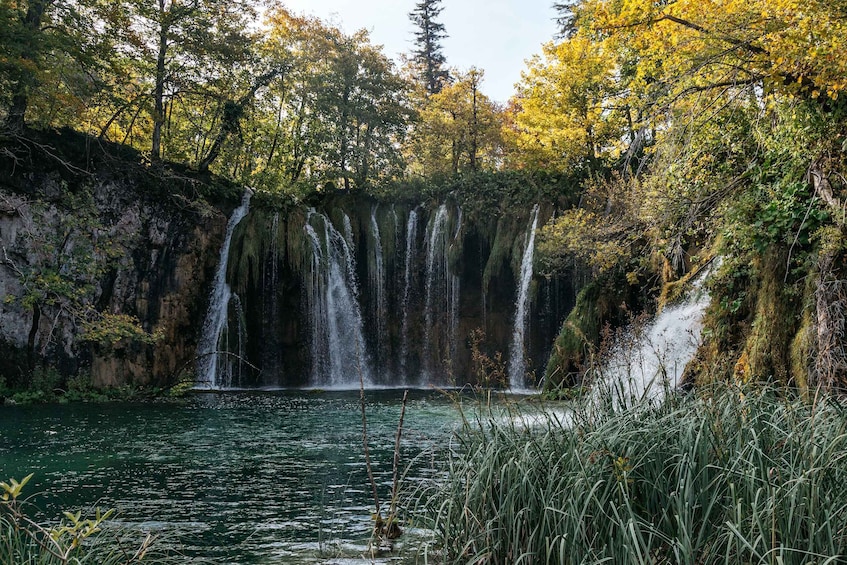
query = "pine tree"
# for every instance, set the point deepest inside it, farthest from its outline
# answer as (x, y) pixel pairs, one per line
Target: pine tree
(566, 17)
(428, 38)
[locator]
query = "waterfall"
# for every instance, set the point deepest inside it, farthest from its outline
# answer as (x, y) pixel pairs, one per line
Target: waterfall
(230, 374)
(517, 359)
(337, 337)
(271, 357)
(348, 232)
(442, 296)
(323, 290)
(411, 255)
(648, 361)
(377, 282)
(274, 274)
(216, 315)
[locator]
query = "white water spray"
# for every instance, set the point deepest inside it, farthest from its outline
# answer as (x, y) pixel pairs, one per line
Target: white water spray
(648, 362)
(517, 355)
(216, 315)
(377, 283)
(411, 255)
(442, 296)
(337, 338)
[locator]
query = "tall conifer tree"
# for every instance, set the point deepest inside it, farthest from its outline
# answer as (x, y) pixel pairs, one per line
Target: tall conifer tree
(428, 36)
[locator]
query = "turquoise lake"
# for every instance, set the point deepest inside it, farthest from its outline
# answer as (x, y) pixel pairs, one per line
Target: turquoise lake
(236, 477)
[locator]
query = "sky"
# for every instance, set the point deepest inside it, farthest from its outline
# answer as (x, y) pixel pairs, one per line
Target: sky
(494, 35)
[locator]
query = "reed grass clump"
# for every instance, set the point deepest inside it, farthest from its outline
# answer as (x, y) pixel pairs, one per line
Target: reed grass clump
(728, 477)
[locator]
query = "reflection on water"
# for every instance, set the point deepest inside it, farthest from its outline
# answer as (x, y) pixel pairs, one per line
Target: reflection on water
(229, 478)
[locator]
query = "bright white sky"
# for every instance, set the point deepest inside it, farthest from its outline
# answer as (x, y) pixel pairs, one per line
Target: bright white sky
(494, 35)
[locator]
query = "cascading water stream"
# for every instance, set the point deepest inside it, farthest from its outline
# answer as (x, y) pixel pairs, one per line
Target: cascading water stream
(216, 315)
(230, 372)
(271, 318)
(648, 361)
(411, 256)
(441, 306)
(337, 337)
(348, 232)
(377, 282)
(517, 358)
(435, 235)
(274, 271)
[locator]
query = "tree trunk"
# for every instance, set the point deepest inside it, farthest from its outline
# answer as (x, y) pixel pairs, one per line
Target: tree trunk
(343, 142)
(277, 129)
(830, 361)
(16, 118)
(474, 148)
(159, 90)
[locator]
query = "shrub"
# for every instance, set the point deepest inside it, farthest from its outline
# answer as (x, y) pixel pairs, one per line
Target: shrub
(74, 540)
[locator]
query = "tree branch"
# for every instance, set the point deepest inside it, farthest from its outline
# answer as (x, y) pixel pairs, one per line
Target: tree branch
(691, 25)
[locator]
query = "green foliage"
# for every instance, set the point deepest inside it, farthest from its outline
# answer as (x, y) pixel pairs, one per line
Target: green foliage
(334, 115)
(182, 388)
(458, 130)
(73, 540)
(52, 56)
(66, 263)
(69, 250)
(484, 195)
(734, 476)
(577, 234)
(47, 385)
(110, 329)
(12, 489)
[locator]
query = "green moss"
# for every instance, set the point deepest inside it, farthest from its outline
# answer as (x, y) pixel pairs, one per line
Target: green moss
(455, 217)
(801, 353)
(602, 302)
(775, 322)
(297, 247)
(247, 249)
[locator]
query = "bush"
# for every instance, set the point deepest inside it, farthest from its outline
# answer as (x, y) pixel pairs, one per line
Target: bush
(74, 540)
(723, 478)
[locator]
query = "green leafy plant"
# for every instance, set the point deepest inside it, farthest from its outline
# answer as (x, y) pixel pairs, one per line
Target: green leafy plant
(75, 539)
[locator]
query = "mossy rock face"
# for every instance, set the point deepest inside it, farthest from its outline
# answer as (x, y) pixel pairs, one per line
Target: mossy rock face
(760, 326)
(602, 302)
(775, 322)
(109, 235)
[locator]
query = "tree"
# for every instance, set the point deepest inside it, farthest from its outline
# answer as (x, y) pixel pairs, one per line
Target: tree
(49, 46)
(428, 56)
(363, 101)
(184, 53)
(458, 129)
(335, 113)
(566, 108)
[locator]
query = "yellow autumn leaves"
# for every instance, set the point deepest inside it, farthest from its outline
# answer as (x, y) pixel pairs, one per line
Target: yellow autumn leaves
(632, 63)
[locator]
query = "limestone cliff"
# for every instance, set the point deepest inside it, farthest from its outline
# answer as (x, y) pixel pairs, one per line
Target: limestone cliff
(104, 261)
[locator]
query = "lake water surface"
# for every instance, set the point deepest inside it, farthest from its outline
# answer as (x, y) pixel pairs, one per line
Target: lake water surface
(244, 477)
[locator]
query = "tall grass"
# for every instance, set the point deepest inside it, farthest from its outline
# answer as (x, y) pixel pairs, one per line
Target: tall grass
(721, 478)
